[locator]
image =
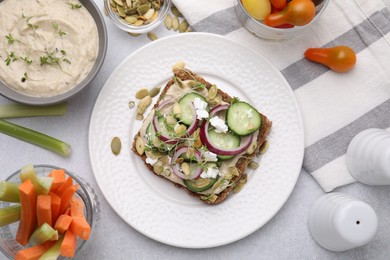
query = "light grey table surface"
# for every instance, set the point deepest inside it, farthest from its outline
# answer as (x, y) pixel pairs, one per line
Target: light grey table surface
(286, 236)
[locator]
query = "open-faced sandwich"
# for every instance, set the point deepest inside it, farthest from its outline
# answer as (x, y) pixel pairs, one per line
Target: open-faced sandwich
(200, 138)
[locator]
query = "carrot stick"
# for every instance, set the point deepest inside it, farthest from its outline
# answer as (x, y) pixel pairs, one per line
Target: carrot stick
(63, 223)
(64, 186)
(33, 253)
(66, 197)
(55, 206)
(44, 210)
(28, 216)
(80, 227)
(69, 244)
(59, 178)
(76, 208)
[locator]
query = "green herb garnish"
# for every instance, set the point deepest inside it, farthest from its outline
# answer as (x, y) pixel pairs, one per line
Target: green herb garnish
(52, 59)
(11, 58)
(27, 60)
(74, 6)
(10, 38)
(24, 78)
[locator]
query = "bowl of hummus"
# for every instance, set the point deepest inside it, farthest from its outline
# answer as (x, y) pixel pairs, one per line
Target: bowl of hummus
(49, 49)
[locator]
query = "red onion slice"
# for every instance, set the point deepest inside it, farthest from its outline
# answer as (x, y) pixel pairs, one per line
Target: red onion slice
(195, 173)
(204, 136)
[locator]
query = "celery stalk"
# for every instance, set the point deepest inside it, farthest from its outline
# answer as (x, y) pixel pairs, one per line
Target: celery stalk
(9, 191)
(9, 214)
(41, 184)
(19, 110)
(53, 252)
(43, 234)
(36, 138)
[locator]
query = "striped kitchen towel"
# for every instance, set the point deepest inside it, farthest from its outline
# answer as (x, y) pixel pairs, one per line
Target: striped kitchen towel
(335, 107)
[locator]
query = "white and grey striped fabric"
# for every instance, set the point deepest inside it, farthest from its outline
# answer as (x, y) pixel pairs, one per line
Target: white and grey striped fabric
(335, 107)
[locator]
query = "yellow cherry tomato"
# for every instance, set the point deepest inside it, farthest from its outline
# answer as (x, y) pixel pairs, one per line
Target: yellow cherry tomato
(258, 9)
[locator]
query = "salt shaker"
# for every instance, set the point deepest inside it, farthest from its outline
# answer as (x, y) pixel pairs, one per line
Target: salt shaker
(368, 157)
(339, 222)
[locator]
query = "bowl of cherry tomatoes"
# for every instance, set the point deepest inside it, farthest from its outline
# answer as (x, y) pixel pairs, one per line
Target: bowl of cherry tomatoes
(279, 19)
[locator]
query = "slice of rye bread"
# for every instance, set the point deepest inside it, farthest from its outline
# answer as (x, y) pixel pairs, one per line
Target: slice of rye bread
(241, 163)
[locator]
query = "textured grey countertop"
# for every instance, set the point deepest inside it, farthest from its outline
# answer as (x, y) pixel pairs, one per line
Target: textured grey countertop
(286, 236)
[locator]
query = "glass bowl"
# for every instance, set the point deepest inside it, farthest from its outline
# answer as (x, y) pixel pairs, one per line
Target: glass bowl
(122, 24)
(261, 30)
(8, 245)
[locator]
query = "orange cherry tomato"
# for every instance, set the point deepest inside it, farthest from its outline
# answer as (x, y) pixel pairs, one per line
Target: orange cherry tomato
(339, 58)
(279, 4)
(297, 12)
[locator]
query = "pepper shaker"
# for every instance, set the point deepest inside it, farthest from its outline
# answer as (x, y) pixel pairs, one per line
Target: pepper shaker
(339, 222)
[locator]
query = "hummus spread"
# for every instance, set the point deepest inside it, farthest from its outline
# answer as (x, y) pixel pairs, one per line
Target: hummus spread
(47, 47)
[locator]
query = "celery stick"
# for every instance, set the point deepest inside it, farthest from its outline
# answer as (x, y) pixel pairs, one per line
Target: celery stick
(35, 138)
(41, 184)
(9, 214)
(53, 252)
(43, 234)
(19, 110)
(9, 191)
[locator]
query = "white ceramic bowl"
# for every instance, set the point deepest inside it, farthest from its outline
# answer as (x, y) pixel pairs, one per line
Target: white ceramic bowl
(102, 34)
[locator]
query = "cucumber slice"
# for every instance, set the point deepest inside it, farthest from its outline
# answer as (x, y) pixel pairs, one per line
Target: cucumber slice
(154, 141)
(200, 184)
(185, 106)
(242, 118)
(224, 141)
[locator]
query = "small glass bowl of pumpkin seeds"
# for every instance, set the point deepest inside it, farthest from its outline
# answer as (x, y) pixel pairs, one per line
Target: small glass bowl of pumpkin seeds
(137, 16)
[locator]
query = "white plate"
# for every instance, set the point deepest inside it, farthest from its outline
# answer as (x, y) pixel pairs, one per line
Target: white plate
(154, 206)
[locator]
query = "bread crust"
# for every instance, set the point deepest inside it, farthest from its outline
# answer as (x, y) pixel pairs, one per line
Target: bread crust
(241, 163)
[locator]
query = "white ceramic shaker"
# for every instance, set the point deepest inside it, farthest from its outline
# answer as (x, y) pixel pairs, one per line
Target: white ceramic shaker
(339, 222)
(368, 157)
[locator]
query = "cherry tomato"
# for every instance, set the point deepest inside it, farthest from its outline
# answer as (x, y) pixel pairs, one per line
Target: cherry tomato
(280, 4)
(339, 58)
(258, 9)
(297, 12)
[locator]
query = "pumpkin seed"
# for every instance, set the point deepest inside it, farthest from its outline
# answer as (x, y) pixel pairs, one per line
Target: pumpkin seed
(175, 23)
(121, 11)
(139, 22)
(175, 11)
(185, 167)
(154, 17)
(243, 179)
(264, 147)
(213, 91)
(139, 117)
(154, 91)
(238, 188)
(119, 2)
(251, 149)
(216, 101)
(148, 15)
(144, 104)
(140, 145)
(183, 26)
(131, 19)
(116, 145)
(253, 165)
(178, 66)
(131, 104)
(142, 9)
(152, 36)
(142, 93)
(134, 34)
(131, 11)
(180, 129)
(168, 21)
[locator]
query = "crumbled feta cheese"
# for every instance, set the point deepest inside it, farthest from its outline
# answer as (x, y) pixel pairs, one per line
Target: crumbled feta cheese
(199, 104)
(219, 124)
(249, 113)
(209, 156)
(200, 108)
(151, 161)
(210, 173)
